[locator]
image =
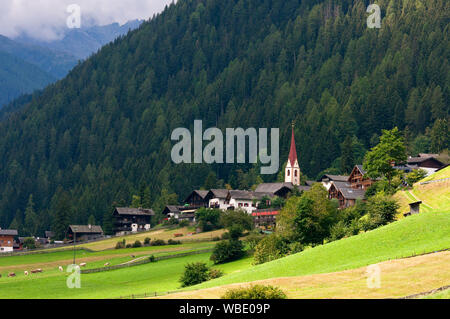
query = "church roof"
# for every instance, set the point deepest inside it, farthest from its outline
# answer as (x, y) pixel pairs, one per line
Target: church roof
(292, 151)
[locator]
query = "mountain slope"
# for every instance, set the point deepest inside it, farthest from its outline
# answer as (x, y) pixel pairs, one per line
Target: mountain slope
(103, 133)
(18, 77)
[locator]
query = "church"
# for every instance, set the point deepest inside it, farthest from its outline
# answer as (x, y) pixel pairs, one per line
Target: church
(291, 175)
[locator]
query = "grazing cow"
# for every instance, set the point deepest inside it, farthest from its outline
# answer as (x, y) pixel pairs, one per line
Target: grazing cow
(132, 256)
(61, 268)
(26, 273)
(107, 264)
(82, 264)
(36, 271)
(11, 274)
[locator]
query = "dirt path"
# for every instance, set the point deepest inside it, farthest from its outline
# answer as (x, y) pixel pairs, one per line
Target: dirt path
(399, 278)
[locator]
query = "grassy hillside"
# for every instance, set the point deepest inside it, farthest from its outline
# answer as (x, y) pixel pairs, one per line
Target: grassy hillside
(426, 232)
(435, 196)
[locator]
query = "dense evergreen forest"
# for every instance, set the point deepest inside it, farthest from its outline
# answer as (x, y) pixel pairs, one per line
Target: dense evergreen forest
(102, 134)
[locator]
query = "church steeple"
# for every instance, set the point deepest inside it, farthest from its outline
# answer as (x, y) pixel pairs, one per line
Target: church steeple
(292, 172)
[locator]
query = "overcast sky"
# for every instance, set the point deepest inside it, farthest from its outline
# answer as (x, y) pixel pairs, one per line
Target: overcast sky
(46, 19)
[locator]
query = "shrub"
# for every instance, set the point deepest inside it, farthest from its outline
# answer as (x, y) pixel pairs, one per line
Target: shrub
(295, 247)
(216, 238)
(208, 219)
(415, 176)
(158, 242)
(255, 292)
(215, 273)
(173, 242)
(338, 231)
(120, 245)
(194, 273)
(381, 210)
(252, 240)
(29, 243)
(129, 246)
(183, 223)
(147, 241)
(225, 235)
(152, 259)
(270, 248)
(137, 244)
(227, 251)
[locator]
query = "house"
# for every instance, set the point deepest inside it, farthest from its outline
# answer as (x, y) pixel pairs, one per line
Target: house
(7, 240)
(265, 218)
(277, 189)
(84, 232)
(414, 208)
(358, 179)
(246, 200)
(345, 194)
(180, 213)
(132, 220)
(327, 179)
(198, 198)
(217, 198)
(427, 162)
(49, 234)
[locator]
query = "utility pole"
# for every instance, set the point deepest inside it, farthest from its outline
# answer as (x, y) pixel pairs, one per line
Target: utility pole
(74, 240)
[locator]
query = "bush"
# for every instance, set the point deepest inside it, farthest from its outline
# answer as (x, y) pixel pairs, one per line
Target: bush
(255, 292)
(227, 251)
(194, 273)
(158, 242)
(252, 240)
(208, 219)
(415, 176)
(381, 210)
(295, 247)
(216, 238)
(29, 243)
(137, 244)
(183, 223)
(215, 273)
(147, 241)
(173, 242)
(225, 235)
(270, 248)
(129, 246)
(152, 259)
(338, 231)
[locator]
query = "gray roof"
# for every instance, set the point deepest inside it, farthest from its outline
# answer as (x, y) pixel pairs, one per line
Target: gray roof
(310, 183)
(339, 178)
(8, 232)
(134, 211)
(414, 160)
(49, 234)
(350, 193)
(249, 195)
(340, 185)
(303, 188)
(219, 193)
(86, 229)
(172, 208)
(272, 187)
(361, 169)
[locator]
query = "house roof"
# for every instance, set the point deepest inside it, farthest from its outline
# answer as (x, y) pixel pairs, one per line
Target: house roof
(93, 229)
(340, 178)
(303, 187)
(134, 211)
(292, 151)
(249, 195)
(418, 160)
(201, 193)
(8, 232)
(340, 184)
(49, 234)
(310, 183)
(350, 193)
(219, 193)
(272, 187)
(361, 169)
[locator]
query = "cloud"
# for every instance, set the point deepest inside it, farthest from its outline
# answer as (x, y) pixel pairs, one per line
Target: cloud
(46, 19)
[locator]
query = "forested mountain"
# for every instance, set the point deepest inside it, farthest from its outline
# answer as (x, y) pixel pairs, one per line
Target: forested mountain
(103, 133)
(27, 64)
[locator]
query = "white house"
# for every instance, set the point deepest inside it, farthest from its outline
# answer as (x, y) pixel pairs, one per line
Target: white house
(246, 200)
(218, 198)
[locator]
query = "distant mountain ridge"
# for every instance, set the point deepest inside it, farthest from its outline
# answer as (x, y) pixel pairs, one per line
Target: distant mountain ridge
(28, 64)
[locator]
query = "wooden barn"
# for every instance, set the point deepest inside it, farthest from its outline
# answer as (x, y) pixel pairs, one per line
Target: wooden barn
(84, 232)
(358, 179)
(7, 237)
(132, 220)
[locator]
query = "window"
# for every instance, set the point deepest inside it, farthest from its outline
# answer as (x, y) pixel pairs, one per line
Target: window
(246, 205)
(240, 204)
(289, 172)
(295, 173)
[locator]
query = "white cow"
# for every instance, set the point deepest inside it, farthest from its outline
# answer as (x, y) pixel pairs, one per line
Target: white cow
(60, 268)
(107, 264)
(82, 264)
(26, 273)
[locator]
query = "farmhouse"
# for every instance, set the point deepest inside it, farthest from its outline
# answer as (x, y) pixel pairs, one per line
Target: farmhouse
(346, 195)
(358, 179)
(180, 213)
(427, 162)
(198, 198)
(246, 200)
(265, 218)
(328, 179)
(84, 232)
(217, 198)
(131, 220)
(7, 239)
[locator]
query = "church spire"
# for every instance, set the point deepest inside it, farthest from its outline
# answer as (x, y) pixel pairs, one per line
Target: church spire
(292, 151)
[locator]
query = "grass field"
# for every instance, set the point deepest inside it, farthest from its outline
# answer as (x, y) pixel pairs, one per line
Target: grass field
(398, 278)
(435, 196)
(439, 295)
(426, 232)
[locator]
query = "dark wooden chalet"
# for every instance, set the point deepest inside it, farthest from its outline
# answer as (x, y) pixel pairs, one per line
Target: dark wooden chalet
(346, 195)
(179, 212)
(198, 198)
(425, 162)
(84, 232)
(358, 179)
(129, 219)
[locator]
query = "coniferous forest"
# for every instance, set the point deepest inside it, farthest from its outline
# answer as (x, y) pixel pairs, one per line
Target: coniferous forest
(102, 134)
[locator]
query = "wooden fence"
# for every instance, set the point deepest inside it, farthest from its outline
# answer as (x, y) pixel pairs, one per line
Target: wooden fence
(146, 261)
